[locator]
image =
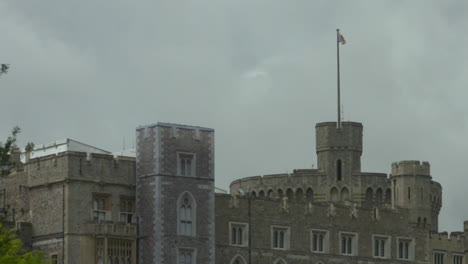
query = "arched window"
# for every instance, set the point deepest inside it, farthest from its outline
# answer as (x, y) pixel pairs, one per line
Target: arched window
(238, 259)
(261, 194)
(388, 196)
(344, 196)
(310, 195)
(270, 193)
(290, 194)
(299, 195)
(185, 257)
(280, 193)
(378, 196)
(280, 261)
(369, 196)
(334, 194)
(338, 170)
(186, 215)
(254, 194)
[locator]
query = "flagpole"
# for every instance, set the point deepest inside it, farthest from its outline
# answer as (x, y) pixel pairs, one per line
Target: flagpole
(338, 76)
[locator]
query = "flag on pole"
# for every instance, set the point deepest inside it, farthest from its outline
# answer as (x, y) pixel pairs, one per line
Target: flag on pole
(341, 39)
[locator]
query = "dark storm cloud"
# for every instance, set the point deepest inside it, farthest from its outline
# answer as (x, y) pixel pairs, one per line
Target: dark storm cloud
(261, 73)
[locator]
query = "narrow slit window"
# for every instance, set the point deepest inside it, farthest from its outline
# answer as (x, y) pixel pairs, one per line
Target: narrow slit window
(338, 170)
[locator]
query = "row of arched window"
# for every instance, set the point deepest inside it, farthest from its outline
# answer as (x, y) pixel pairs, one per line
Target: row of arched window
(297, 195)
(378, 197)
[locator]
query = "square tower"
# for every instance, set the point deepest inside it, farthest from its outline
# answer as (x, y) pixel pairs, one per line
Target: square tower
(175, 194)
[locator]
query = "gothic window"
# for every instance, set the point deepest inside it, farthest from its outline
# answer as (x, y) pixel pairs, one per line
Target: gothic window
(299, 195)
(369, 196)
(186, 164)
(261, 194)
(405, 248)
(186, 256)
(239, 234)
(378, 196)
(127, 210)
(348, 243)
(319, 241)
(290, 195)
(254, 194)
(381, 246)
(186, 215)
(310, 195)
(54, 259)
(280, 261)
(238, 260)
(280, 193)
(388, 196)
(270, 193)
(344, 196)
(457, 259)
(118, 251)
(100, 251)
(439, 258)
(280, 237)
(338, 170)
(100, 207)
(334, 194)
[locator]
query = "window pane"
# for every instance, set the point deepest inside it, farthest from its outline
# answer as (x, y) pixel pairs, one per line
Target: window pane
(233, 235)
(239, 235)
(189, 167)
(343, 245)
(349, 245)
(275, 239)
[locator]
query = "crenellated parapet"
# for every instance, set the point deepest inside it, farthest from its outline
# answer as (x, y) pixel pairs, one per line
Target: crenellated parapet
(411, 168)
(453, 243)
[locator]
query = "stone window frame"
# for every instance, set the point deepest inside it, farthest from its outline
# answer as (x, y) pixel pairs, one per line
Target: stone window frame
(239, 258)
(193, 210)
(459, 256)
(387, 246)
(325, 242)
(193, 252)
(410, 248)
(286, 236)
(96, 208)
(127, 213)
(245, 234)
(56, 260)
(354, 243)
(439, 257)
(181, 156)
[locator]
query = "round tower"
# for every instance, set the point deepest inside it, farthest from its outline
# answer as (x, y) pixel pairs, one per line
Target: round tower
(339, 150)
(414, 189)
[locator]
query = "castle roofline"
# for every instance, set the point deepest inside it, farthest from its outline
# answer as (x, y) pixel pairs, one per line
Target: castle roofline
(174, 125)
(347, 123)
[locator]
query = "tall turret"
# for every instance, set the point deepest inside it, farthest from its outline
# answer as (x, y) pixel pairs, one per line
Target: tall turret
(414, 189)
(339, 150)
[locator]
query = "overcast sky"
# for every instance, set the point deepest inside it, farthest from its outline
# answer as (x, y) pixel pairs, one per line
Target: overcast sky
(261, 73)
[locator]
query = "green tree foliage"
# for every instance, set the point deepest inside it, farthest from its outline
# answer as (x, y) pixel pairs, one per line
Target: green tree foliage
(4, 68)
(12, 252)
(6, 164)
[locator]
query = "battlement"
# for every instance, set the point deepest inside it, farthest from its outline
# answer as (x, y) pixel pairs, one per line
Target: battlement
(329, 136)
(411, 167)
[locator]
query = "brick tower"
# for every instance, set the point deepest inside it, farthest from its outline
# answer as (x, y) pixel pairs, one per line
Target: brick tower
(175, 194)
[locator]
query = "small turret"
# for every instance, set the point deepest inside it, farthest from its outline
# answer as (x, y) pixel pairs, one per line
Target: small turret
(414, 189)
(339, 150)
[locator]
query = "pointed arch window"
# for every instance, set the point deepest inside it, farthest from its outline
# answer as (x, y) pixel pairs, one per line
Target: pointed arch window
(338, 170)
(238, 260)
(186, 215)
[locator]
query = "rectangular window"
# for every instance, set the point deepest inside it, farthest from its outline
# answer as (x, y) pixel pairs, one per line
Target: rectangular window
(100, 251)
(439, 258)
(54, 259)
(127, 210)
(319, 241)
(185, 164)
(186, 256)
(119, 250)
(101, 208)
(239, 234)
(381, 246)
(280, 237)
(348, 243)
(405, 248)
(457, 259)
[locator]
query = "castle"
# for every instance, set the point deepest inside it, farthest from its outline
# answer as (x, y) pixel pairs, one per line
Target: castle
(81, 204)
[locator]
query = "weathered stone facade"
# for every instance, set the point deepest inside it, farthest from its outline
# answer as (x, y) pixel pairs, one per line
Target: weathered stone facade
(161, 206)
